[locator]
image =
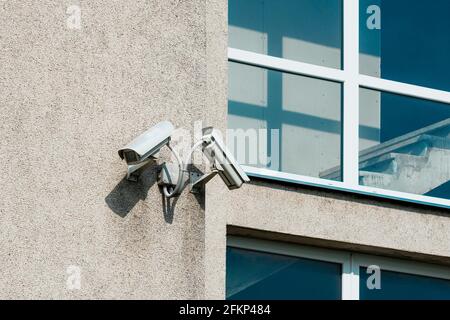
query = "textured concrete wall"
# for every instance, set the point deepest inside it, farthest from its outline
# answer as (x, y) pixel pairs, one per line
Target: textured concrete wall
(217, 106)
(339, 220)
(69, 99)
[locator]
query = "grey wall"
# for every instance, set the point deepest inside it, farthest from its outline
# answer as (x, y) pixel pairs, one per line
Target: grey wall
(69, 100)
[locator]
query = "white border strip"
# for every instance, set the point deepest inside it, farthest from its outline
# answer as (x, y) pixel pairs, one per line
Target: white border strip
(341, 186)
(404, 89)
(285, 65)
(350, 281)
(305, 69)
(350, 114)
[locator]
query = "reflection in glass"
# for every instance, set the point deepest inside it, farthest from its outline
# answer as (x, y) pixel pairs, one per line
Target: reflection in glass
(304, 30)
(262, 276)
(283, 122)
(413, 151)
(404, 144)
(402, 286)
(406, 41)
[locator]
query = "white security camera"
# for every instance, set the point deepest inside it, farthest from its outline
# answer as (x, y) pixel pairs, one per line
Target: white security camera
(144, 148)
(222, 160)
(148, 143)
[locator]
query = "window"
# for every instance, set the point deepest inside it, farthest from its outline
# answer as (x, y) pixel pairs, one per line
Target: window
(274, 276)
(411, 150)
(304, 112)
(267, 270)
(306, 31)
(309, 113)
(406, 41)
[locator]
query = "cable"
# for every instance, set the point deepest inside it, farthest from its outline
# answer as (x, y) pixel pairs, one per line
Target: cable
(180, 174)
(182, 167)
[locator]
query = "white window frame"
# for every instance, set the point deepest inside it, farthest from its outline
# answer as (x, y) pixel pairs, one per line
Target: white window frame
(352, 81)
(350, 262)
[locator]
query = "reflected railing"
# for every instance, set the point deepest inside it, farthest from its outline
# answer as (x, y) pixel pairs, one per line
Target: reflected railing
(417, 162)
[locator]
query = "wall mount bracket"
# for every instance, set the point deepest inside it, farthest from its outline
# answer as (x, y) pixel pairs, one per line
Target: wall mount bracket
(169, 174)
(198, 181)
(132, 174)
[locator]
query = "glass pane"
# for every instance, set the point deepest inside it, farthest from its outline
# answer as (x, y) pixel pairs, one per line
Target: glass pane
(284, 122)
(262, 276)
(405, 144)
(406, 41)
(402, 286)
(304, 30)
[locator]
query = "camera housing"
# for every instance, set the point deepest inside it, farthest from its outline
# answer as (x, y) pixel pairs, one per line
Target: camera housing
(148, 143)
(143, 149)
(222, 160)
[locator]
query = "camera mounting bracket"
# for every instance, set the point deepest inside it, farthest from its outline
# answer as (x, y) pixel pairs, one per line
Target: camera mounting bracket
(132, 169)
(198, 181)
(169, 173)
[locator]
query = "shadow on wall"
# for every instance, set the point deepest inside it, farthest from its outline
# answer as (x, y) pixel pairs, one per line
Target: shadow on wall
(124, 197)
(169, 205)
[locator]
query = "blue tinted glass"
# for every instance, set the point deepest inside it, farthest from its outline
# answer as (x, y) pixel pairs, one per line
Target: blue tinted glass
(406, 41)
(304, 30)
(402, 286)
(408, 149)
(276, 118)
(256, 275)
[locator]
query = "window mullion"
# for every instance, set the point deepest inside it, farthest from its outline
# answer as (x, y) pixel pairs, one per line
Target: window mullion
(350, 152)
(350, 279)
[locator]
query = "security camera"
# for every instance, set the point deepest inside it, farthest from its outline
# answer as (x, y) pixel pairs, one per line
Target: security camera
(143, 149)
(147, 144)
(222, 160)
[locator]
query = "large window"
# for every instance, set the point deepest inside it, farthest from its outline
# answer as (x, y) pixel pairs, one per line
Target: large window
(298, 116)
(345, 94)
(267, 270)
